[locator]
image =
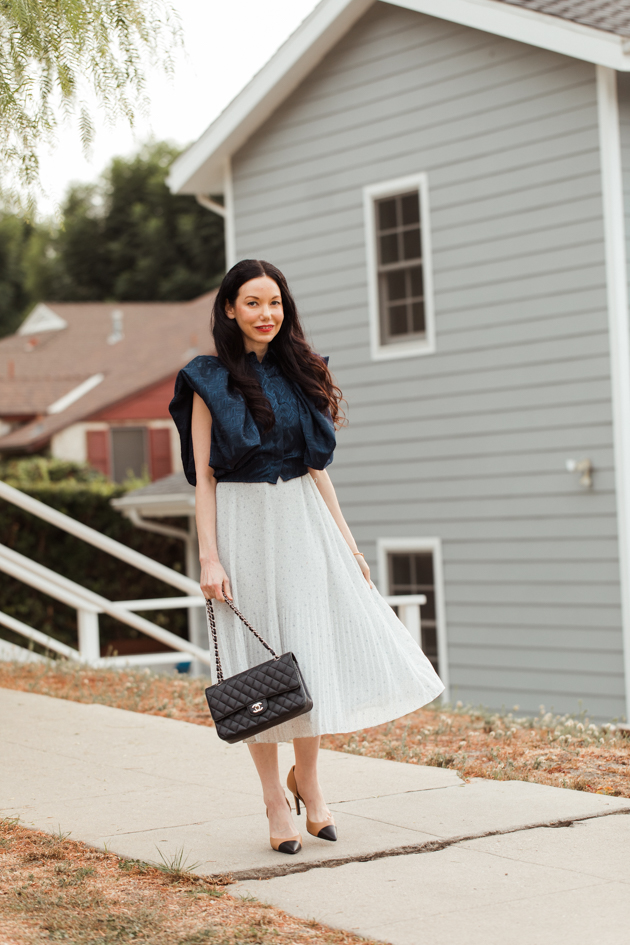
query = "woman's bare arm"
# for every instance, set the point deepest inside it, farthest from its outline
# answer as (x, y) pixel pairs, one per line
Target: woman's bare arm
(214, 579)
(328, 494)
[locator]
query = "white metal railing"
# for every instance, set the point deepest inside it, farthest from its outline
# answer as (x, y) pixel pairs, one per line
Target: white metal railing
(88, 604)
(409, 612)
(90, 535)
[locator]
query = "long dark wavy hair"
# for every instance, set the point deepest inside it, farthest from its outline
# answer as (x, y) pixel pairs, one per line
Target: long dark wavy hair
(295, 358)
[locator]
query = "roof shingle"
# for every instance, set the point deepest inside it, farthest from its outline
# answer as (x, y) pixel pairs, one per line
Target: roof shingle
(613, 16)
(158, 339)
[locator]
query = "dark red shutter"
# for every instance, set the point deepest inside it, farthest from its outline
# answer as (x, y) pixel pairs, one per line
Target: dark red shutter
(98, 450)
(160, 453)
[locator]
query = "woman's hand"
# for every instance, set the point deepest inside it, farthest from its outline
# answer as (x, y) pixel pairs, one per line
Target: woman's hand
(214, 582)
(365, 568)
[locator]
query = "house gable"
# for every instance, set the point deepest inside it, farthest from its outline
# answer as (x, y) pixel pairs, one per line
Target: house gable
(204, 168)
(42, 319)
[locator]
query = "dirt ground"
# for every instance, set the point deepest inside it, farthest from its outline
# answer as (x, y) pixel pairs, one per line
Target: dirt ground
(54, 889)
(549, 749)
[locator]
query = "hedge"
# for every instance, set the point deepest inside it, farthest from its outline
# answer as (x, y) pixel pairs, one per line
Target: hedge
(85, 495)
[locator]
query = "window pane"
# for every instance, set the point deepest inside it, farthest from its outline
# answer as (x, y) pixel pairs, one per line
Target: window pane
(412, 573)
(387, 214)
(411, 244)
(400, 573)
(128, 452)
(410, 209)
(400, 273)
(389, 248)
(396, 285)
(398, 320)
(423, 568)
(415, 281)
(417, 316)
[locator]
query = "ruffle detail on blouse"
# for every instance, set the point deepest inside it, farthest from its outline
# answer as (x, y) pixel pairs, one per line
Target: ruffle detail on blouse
(235, 435)
(319, 434)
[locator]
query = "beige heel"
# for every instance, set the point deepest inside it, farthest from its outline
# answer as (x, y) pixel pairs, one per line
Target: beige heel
(288, 845)
(326, 830)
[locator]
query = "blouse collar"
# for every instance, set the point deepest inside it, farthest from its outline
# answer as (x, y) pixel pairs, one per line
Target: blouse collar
(269, 360)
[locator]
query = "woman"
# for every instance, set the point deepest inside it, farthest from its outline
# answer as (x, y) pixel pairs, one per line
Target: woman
(257, 425)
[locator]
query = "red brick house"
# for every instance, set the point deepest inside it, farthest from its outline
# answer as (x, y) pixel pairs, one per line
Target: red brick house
(91, 382)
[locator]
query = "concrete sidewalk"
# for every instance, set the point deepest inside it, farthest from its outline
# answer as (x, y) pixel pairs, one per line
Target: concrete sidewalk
(422, 856)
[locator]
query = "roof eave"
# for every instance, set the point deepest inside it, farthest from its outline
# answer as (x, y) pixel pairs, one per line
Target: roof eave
(201, 168)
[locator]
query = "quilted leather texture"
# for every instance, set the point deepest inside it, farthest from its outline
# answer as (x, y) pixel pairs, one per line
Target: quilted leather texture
(278, 682)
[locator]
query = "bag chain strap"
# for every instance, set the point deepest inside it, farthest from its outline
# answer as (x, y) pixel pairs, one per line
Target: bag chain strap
(213, 631)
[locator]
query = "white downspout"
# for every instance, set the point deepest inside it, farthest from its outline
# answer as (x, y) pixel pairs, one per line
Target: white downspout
(619, 331)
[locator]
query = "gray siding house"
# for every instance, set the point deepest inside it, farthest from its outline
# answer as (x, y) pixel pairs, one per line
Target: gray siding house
(444, 184)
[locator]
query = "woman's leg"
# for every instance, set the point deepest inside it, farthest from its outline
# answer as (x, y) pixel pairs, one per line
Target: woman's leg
(265, 757)
(306, 755)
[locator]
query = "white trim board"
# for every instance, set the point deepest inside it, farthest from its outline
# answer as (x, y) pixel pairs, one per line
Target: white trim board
(385, 545)
(229, 223)
(200, 169)
(403, 349)
(619, 331)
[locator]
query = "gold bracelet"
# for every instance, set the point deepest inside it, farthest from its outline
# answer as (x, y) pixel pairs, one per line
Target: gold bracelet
(355, 553)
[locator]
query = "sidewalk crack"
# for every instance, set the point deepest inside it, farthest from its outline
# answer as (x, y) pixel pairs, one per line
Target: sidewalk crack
(428, 846)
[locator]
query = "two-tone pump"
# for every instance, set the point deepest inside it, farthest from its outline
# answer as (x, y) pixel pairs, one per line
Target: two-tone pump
(326, 830)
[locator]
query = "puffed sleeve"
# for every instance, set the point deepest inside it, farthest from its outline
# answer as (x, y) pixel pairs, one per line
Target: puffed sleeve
(319, 432)
(234, 433)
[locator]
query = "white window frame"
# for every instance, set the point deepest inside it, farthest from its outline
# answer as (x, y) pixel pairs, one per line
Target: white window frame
(385, 546)
(411, 347)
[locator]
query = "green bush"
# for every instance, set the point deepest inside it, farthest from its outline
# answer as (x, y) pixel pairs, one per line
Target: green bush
(85, 495)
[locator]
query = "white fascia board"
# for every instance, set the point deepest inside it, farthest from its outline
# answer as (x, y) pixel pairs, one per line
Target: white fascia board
(200, 169)
(531, 27)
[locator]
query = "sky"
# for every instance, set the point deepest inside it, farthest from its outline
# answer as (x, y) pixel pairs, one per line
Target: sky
(225, 43)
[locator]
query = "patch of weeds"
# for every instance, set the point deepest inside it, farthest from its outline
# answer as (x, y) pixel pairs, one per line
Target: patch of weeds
(134, 865)
(68, 876)
(205, 936)
(439, 760)
(214, 892)
(177, 865)
(247, 897)
(59, 834)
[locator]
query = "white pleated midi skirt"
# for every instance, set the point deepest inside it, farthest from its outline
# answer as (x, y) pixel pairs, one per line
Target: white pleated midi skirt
(295, 579)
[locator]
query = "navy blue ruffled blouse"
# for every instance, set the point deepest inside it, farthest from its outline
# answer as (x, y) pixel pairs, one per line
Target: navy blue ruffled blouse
(301, 437)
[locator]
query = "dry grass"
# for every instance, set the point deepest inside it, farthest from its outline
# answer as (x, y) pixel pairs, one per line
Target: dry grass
(53, 889)
(548, 749)
(174, 697)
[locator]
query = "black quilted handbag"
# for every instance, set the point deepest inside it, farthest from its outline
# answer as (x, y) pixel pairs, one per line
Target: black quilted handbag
(260, 697)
